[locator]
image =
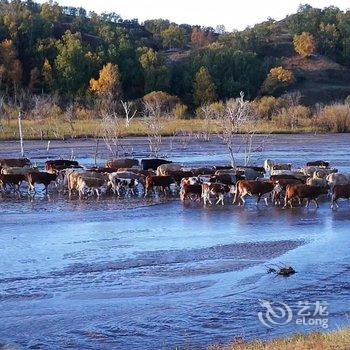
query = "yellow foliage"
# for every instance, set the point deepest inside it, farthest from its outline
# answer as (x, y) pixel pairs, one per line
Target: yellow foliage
(276, 79)
(108, 83)
(304, 44)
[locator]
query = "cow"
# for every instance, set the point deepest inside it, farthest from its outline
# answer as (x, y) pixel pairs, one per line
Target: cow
(72, 179)
(226, 179)
(337, 179)
(190, 191)
(19, 170)
(281, 167)
(252, 173)
(301, 192)
(278, 177)
(122, 163)
(15, 162)
(52, 166)
(40, 178)
(319, 182)
(340, 191)
(153, 164)
(283, 182)
(14, 180)
(153, 181)
(254, 188)
(217, 190)
(178, 175)
(310, 170)
(319, 163)
(90, 183)
(127, 180)
(103, 170)
(203, 171)
(162, 169)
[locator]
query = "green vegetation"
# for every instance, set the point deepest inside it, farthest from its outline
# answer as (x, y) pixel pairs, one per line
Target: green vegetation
(339, 340)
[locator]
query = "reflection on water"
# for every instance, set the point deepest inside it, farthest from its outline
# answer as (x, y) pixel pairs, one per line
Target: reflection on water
(135, 274)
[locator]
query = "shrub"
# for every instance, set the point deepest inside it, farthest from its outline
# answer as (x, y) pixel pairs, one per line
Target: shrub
(161, 100)
(292, 117)
(277, 78)
(267, 106)
(180, 111)
(213, 111)
(304, 44)
(335, 118)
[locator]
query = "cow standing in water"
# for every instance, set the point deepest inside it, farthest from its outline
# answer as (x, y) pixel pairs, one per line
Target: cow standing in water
(259, 189)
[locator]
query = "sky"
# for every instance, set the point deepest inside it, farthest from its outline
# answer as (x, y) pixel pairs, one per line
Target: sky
(233, 14)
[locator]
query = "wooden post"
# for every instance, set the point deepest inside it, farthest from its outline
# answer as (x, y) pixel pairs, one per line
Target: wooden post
(20, 133)
(96, 152)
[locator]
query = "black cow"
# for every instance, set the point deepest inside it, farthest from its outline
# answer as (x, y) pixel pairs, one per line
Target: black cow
(153, 164)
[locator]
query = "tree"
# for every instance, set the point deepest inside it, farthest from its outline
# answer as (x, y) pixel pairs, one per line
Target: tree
(173, 37)
(73, 63)
(204, 88)
(108, 84)
(277, 78)
(155, 72)
(46, 73)
(200, 38)
(237, 121)
(304, 44)
(10, 67)
(35, 80)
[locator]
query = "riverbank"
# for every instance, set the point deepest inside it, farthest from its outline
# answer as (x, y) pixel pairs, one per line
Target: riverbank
(52, 129)
(338, 340)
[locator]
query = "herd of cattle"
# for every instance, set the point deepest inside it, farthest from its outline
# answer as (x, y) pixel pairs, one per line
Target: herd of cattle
(277, 183)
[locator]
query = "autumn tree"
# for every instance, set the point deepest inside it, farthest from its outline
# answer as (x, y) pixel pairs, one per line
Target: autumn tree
(277, 79)
(304, 44)
(108, 86)
(46, 73)
(200, 38)
(204, 88)
(10, 67)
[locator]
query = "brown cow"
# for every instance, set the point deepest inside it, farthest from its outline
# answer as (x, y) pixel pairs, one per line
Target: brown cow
(277, 195)
(189, 191)
(153, 181)
(40, 178)
(254, 188)
(122, 163)
(300, 192)
(340, 191)
(14, 180)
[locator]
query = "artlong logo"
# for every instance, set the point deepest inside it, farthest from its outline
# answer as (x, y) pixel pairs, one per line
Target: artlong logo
(275, 314)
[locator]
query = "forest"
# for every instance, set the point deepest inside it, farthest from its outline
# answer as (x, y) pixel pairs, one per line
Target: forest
(70, 63)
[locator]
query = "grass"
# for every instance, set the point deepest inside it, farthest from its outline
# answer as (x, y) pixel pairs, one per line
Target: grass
(338, 340)
(57, 129)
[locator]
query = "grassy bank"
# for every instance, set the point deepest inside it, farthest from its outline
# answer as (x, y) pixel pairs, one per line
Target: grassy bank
(55, 130)
(339, 340)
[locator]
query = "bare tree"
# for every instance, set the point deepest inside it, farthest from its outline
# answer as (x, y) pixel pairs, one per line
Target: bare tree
(128, 107)
(152, 118)
(110, 130)
(236, 124)
(293, 100)
(207, 114)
